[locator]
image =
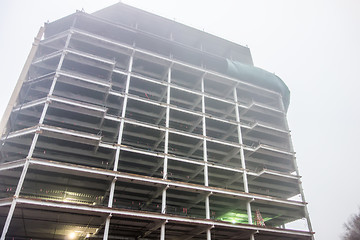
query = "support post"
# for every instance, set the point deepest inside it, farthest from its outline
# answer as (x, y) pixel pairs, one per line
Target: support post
(107, 227)
(123, 113)
(242, 155)
(166, 151)
(162, 232)
(118, 148)
(13, 204)
(110, 203)
(248, 209)
(206, 170)
(111, 195)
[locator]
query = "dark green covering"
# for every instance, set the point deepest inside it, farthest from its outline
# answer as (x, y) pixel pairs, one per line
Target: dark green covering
(259, 77)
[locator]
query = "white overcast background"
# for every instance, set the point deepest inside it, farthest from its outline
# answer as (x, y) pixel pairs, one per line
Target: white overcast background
(314, 46)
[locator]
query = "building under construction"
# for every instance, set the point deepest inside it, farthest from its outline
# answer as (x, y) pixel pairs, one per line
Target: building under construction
(127, 125)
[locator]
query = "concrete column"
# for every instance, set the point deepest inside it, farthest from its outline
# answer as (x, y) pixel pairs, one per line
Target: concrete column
(242, 155)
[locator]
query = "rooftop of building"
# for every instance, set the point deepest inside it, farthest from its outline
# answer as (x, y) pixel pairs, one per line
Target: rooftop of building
(239, 63)
(181, 42)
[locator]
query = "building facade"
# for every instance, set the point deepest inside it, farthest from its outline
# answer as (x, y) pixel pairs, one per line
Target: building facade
(126, 125)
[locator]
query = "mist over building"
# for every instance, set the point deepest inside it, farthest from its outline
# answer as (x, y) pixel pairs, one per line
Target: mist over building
(127, 125)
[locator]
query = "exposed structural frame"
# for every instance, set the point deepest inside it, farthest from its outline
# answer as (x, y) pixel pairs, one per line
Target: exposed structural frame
(171, 166)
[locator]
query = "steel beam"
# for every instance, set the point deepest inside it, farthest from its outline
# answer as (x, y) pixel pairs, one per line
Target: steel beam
(88, 79)
(158, 216)
(170, 60)
(12, 165)
(153, 228)
(174, 184)
(48, 56)
(195, 232)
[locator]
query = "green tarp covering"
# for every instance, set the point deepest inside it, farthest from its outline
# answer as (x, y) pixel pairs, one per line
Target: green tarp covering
(259, 77)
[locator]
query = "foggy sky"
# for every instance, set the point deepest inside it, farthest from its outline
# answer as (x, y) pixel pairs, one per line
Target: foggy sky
(314, 46)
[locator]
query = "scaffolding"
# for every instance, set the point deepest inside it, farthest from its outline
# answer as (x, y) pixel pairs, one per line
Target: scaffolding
(117, 132)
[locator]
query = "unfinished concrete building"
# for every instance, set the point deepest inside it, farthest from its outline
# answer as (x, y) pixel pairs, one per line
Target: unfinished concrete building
(126, 125)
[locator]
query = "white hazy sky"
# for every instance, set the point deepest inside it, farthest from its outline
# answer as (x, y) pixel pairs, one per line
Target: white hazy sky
(314, 46)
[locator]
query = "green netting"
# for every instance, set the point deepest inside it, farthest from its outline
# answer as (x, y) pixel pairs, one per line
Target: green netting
(260, 77)
(237, 217)
(234, 217)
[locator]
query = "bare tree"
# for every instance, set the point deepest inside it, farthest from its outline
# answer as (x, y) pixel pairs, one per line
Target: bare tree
(352, 228)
